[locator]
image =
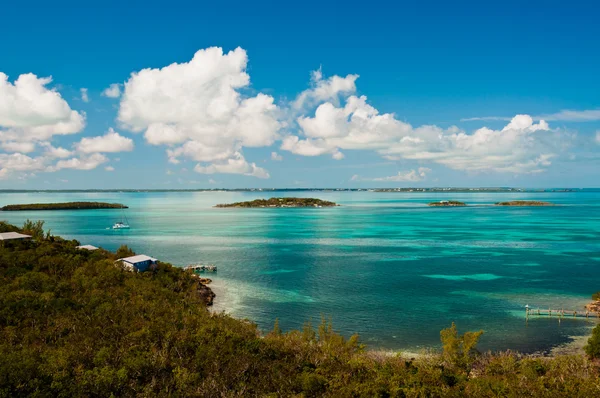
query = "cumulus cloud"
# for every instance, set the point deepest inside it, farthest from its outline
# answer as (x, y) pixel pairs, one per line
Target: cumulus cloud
(109, 142)
(325, 89)
(15, 146)
(84, 95)
(30, 112)
(112, 91)
(53, 152)
(522, 146)
(80, 163)
(235, 165)
(109, 168)
(277, 157)
(565, 115)
(196, 109)
(408, 176)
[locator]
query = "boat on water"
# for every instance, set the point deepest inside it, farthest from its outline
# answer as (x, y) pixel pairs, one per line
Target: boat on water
(120, 225)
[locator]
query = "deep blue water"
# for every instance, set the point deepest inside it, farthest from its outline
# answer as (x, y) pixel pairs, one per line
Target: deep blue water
(383, 265)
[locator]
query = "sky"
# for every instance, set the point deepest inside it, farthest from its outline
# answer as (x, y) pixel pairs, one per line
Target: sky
(185, 95)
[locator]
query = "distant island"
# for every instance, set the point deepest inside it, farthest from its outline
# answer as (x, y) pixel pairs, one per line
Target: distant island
(281, 202)
(524, 203)
(64, 206)
(447, 203)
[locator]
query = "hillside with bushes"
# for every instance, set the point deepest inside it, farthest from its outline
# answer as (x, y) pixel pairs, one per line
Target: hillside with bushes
(73, 324)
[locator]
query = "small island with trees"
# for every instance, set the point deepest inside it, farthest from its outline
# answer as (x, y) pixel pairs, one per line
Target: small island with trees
(281, 202)
(524, 203)
(447, 203)
(64, 206)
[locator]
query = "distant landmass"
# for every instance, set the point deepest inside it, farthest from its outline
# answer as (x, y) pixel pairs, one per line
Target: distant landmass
(447, 203)
(524, 203)
(408, 189)
(282, 202)
(64, 206)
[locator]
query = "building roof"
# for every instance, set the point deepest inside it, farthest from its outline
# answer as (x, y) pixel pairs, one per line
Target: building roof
(87, 247)
(137, 259)
(13, 235)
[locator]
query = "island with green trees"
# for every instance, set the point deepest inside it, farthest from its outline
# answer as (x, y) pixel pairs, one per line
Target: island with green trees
(281, 202)
(524, 203)
(64, 206)
(447, 203)
(75, 323)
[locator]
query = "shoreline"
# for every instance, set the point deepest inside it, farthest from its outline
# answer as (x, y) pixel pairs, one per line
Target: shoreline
(573, 347)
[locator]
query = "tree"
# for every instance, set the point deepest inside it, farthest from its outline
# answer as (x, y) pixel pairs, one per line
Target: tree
(592, 348)
(460, 351)
(34, 228)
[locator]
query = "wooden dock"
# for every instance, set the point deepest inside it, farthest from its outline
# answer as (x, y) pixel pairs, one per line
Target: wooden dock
(201, 267)
(562, 313)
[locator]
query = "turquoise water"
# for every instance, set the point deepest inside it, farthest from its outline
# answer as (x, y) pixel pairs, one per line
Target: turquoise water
(383, 265)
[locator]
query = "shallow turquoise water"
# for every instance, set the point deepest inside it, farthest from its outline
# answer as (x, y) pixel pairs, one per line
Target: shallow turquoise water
(383, 265)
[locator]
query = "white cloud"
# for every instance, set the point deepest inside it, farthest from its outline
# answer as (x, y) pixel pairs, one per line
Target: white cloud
(82, 163)
(22, 147)
(598, 137)
(522, 146)
(30, 112)
(19, 162)
(565, 115)
(53, 152)
(325, 90)
(196, 109)
(112, 91)
(235, 165)
(211, 181)
(84, 95)
(277, 157)
(109, 168)
(109, 142)
(408, 176)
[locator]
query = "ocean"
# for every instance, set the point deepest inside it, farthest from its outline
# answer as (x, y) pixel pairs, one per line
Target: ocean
(382, 265)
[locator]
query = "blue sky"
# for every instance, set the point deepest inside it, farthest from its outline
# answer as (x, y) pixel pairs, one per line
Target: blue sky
(442, 83)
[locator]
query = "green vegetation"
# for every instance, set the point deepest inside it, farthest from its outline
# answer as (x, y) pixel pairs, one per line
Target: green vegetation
(73, 324)
(524, 203)
(282, 202)
(448, 203)
(64, 206)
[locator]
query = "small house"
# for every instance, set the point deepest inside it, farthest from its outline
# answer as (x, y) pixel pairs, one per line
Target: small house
(6, 237)
(139, 263)
(87, 247)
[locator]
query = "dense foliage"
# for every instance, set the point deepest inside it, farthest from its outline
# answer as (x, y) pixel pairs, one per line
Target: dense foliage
(524, 203)
(64, 206)
(74, 324)
(282, 202)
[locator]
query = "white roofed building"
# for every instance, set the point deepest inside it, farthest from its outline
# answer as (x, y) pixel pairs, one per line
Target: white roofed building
(139, 263)
(87, 247)
(6, 237)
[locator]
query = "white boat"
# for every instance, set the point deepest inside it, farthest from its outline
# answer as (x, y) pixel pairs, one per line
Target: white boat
(120, 225)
